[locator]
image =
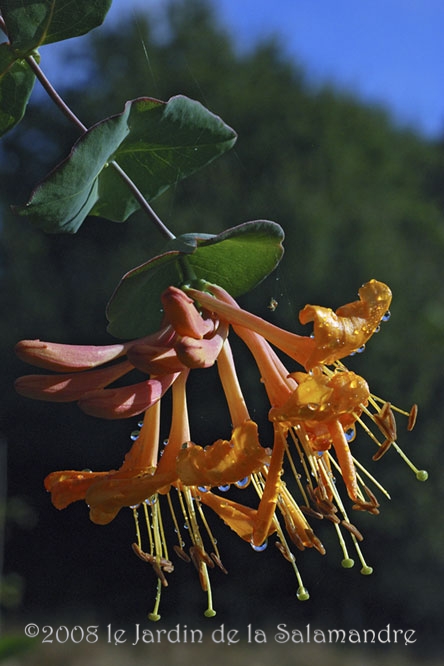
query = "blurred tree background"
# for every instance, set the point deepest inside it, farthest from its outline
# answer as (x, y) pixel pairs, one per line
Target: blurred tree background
(358, 198)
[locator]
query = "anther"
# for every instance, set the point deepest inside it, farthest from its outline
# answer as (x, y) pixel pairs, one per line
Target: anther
(412, 417)
(382, 450)
(385, 420)
(352, 529)
(218, 562)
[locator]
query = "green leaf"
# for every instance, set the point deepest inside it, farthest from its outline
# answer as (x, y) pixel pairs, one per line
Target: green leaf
(156, 143)
(32, 23)
(16, 83)
(237, 259)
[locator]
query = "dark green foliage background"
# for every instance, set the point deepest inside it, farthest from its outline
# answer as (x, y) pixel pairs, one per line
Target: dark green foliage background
(358, 198)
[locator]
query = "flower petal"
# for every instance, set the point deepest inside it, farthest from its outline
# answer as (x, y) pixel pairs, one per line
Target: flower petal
(338, 334)
(59, 357)
(237, 516)
(70, 486)
(106, 497)
(201, 353)
(127, 401)
(69, 387)
(321, 398)
(224, 461)
(181, 312)
(154, 360)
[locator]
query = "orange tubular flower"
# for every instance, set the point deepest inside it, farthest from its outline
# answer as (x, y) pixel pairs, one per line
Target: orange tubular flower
(314, 412)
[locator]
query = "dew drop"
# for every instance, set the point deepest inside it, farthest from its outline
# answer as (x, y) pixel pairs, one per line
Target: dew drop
(151, 500)
(140, 424)
(261, 548)
(224, 488)
(350, 434)
(134, 435)
(386, 316)
(243, 483)
(202, 489)
(134, 506)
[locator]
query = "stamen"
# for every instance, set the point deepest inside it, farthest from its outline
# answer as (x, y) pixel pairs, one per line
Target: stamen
(210, 612)
(371, 477)
(302, 593)
(366, 570)
(154, 615)
(293, 466)
(176, 524)
(148, 527)
(421, 474)
(299, 436)
(137, 526)
(347, 561)
(210, 535)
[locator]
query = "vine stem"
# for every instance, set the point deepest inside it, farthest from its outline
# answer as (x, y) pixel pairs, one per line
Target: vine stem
(59, 102)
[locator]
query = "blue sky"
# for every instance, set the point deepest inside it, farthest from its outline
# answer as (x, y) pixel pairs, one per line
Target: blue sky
(388, 52)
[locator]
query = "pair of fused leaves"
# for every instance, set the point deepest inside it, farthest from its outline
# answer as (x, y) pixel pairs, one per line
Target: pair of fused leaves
(156, 144)
(30, 24)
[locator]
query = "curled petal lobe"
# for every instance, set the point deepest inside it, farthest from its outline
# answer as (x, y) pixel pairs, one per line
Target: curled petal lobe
(338, 334)
(320, 398)
(224, 461)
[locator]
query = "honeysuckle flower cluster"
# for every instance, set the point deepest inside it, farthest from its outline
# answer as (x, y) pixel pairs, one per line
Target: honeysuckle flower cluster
(316, 404)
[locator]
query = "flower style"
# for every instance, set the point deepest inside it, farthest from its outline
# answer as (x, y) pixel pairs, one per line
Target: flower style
(313, 413)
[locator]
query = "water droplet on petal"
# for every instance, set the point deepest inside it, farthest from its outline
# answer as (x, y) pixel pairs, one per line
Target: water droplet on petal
(202, 489)
(134, 435)
(243, 483)
(261, 548)
(224, 488)
(387, 316)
